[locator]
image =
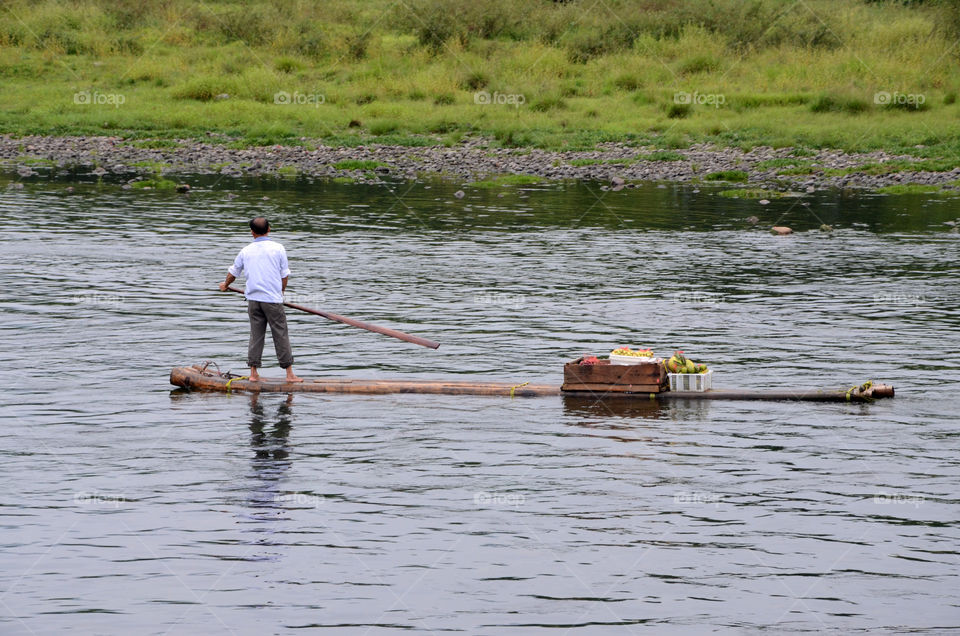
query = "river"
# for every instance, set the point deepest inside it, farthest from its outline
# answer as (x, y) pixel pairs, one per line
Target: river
(130, 507)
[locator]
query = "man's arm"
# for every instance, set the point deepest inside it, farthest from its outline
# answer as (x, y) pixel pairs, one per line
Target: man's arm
(232, 272)
(283, 283)
(231, 278)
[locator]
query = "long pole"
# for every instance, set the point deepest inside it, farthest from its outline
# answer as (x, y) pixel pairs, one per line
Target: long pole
(329, 315)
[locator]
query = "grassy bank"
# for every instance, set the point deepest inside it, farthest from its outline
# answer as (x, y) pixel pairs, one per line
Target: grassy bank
(842, 74)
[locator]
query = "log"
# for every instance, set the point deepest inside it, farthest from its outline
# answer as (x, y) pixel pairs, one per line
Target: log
(196, 377)
(206, 379)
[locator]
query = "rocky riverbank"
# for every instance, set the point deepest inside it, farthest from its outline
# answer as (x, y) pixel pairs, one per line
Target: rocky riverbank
(620, 164)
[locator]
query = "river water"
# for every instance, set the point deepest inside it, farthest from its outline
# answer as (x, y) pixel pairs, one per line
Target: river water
(132, 508)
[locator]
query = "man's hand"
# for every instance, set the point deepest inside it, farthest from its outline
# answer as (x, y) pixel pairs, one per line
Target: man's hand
(226, 283)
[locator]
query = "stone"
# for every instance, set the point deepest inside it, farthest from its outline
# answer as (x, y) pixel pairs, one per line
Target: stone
(780, 230)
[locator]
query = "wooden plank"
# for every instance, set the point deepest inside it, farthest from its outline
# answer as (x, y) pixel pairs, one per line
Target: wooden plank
(611, 388)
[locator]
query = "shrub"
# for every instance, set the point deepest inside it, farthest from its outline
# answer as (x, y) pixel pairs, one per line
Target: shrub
(699, 64)
(831, 102)
(627, 82)
(548, 103)
(384, 127)
(474, 81)
(287, 64)
(203, 88)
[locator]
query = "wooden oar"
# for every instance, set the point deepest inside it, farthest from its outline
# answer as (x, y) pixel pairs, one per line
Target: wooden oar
(393, 333)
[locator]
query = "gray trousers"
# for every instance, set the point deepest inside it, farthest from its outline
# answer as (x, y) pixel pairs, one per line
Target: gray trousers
(261, 314)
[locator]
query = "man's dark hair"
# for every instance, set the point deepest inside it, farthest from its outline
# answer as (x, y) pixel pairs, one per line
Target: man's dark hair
(260, 225)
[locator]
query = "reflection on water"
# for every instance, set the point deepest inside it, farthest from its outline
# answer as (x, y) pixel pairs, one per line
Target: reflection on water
(269, 437)
(272, 444)
(133, 509)
(605, 405)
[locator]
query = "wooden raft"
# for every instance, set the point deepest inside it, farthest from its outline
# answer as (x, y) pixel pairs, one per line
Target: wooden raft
(204, 378)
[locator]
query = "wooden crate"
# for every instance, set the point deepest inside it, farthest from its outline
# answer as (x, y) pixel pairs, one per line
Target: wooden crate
(605, 377)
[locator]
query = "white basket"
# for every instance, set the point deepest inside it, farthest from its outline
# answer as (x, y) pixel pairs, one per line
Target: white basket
(693, 382)
(627, 360)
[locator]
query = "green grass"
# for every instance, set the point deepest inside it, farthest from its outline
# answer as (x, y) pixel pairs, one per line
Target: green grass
(910, 188)
(36, 161)
(727, 175)
(351, 72)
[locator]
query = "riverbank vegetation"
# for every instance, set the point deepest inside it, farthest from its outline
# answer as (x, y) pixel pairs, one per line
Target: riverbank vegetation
(846, 74)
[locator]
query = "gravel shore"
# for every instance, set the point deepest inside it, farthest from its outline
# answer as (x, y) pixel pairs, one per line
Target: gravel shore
(471, 160)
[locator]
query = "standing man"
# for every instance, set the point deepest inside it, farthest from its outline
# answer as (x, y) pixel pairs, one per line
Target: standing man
(264, 262)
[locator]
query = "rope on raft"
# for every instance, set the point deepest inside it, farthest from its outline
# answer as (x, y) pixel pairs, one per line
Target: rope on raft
(518, 386)
(239, 377)
(863, 388)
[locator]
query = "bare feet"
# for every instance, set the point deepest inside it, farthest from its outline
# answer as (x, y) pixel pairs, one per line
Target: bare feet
(292, 377)
(254, 376)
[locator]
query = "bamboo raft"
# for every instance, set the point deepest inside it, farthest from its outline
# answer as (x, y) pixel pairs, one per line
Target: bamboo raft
(204, 378)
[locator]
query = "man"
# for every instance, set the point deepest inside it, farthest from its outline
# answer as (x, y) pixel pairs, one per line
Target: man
(264, 262)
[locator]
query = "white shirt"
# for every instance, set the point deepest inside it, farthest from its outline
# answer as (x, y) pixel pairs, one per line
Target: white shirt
(264, 261)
